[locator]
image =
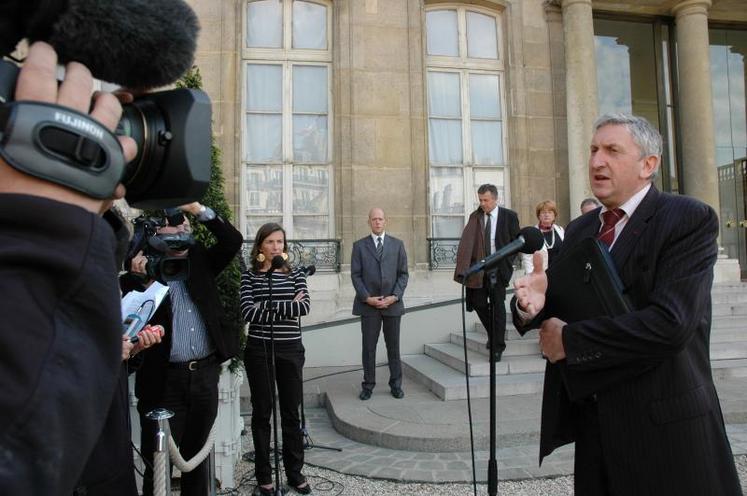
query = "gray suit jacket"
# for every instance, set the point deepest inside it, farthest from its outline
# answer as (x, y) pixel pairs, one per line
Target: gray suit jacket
(374, 277)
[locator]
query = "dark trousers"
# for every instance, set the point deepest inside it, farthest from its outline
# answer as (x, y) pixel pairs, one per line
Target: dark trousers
(590, 475)
(478, 300)
(289, 360)
(370, 327)
(193, 397)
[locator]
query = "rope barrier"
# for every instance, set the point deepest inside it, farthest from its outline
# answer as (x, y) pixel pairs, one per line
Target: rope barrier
(191, 464)
(160, 465)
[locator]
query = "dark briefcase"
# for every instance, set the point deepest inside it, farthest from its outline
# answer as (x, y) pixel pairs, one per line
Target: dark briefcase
(583, 284)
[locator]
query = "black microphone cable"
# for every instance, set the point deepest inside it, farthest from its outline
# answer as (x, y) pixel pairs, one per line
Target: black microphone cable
(466, 380)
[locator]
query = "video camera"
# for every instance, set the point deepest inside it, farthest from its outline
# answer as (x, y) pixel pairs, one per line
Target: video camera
(172, 128)
(155, 247)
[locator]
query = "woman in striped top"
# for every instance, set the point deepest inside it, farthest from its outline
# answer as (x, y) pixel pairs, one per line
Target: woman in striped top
(290, 300)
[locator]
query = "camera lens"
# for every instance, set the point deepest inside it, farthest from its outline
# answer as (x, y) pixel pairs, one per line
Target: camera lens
(172, 130)
(143, 122)
(174, 269)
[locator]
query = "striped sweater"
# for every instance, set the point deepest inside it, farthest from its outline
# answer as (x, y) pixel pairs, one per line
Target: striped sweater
(284, 312)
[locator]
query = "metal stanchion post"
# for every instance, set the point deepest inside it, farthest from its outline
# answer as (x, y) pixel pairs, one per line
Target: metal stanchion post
(211, 473)
(162, 477)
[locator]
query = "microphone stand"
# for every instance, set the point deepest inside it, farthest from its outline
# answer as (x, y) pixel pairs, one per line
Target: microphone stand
(491, 278)
(278, 490)
(309, 443)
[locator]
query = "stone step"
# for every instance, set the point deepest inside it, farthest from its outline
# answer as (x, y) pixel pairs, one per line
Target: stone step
(730, 322)
(729, 350)
(729, 287)
(516, 347)
(736, 334)
(449, 384)
(453, 355)
(729, 297)
(728, 309)
(414, 424)
(724, 369)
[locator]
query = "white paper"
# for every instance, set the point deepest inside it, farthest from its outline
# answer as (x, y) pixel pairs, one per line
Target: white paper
(143, 303)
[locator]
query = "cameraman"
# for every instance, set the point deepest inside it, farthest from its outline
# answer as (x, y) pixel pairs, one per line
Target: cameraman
(60, 345)
(182, 373)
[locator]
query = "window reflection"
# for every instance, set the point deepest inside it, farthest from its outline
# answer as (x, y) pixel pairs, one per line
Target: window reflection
(265, 189)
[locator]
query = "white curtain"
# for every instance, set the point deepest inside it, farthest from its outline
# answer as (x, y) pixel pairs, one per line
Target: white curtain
(264, 26)
(309, 25)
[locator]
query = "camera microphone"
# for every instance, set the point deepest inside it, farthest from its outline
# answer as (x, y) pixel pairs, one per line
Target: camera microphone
(138, 44)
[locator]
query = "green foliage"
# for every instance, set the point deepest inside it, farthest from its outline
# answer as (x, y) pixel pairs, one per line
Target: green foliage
(229, 280)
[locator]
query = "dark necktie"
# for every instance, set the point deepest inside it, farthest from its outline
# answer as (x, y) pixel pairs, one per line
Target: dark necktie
(379, 248)
(486, 236)
(610, 218)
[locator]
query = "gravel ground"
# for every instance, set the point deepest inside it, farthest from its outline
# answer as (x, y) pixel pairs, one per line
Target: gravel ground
(327, 483)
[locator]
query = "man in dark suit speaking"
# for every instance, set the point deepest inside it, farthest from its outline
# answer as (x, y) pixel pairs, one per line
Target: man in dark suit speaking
(654, 425)
(378, 268)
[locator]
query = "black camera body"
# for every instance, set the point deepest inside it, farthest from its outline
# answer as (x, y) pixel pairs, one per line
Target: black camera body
(172, 130)
(155, 247)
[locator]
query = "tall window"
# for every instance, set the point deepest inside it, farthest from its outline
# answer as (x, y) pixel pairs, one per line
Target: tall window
(466, 132)
(286, 146)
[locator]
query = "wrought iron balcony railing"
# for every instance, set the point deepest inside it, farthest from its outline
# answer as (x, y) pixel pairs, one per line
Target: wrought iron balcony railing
(442, 253)
(324, 253)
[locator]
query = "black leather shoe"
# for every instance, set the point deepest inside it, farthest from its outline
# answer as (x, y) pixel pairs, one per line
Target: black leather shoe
(398, 393)
(365, 395)
(302, 489)
(261, 491)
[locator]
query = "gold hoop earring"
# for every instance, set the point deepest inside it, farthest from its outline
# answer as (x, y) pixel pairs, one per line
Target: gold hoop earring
(261, 258)
(285, 256)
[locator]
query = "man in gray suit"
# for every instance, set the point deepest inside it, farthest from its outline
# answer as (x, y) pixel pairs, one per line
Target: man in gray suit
(378, 268)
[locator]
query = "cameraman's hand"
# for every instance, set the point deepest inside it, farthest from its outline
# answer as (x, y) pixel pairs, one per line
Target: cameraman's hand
(191, 208)
(37, 81)
(138, 264)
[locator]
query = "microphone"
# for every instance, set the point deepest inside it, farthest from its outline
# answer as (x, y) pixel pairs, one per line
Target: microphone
(529, 240)
(138, 44)
(277, 262)
(308, 270)
(134, 322)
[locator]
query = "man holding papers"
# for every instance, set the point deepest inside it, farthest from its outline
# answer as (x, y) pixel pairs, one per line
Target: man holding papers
(654, 424)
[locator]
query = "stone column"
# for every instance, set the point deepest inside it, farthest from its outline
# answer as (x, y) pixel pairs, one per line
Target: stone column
(581, 89)
(699, 175)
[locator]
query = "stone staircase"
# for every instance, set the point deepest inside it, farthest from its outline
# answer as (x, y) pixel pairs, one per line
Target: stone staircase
(441, 367)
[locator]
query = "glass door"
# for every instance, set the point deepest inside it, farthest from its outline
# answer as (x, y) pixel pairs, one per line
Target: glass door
(728, 49)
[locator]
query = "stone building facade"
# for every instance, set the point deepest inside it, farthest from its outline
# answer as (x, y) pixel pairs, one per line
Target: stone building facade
(326, 108)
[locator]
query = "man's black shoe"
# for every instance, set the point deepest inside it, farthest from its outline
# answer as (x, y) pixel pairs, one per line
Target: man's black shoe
(365, 394)
(302, 489)
(398, 393)
(261, 491)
